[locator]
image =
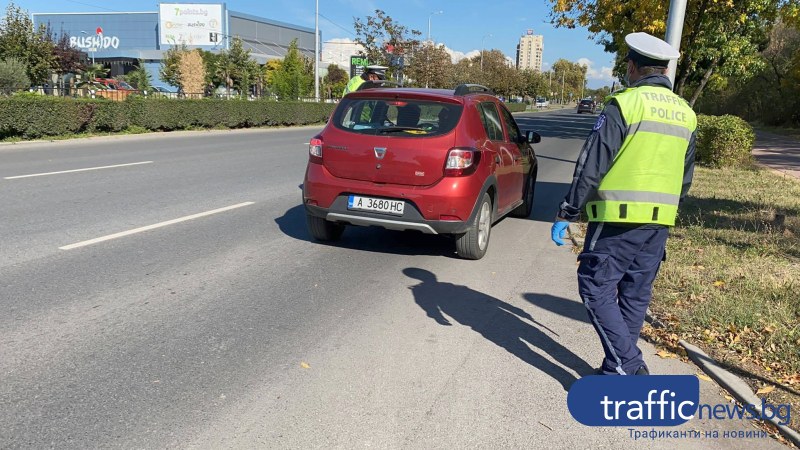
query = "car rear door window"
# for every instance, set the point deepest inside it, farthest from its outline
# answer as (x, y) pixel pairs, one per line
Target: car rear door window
(491, 121)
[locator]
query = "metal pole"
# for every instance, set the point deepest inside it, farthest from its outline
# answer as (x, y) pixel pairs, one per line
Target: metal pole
(562, 87)
(677, 14)
(316, 53)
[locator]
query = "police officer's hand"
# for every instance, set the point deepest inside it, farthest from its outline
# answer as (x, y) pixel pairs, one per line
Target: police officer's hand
(558, 231)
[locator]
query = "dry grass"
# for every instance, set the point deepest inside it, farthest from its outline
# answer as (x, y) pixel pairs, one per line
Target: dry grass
(731, 279)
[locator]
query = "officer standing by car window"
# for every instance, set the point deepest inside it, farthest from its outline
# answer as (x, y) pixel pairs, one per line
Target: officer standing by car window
(371, 73)
(633, 170)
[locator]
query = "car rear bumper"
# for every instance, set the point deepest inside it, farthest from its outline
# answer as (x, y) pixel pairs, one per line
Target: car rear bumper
(327, 196)
(407, 222)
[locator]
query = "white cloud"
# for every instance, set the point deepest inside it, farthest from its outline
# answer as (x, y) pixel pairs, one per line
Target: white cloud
(604, 74)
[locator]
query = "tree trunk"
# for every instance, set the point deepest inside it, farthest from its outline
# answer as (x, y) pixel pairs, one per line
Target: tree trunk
(704, 81)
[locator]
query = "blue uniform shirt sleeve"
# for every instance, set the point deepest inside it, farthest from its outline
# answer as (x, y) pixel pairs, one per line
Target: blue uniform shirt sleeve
(594, 160)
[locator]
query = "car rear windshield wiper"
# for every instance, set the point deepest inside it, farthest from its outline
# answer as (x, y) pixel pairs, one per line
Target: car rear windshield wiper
(399, 129)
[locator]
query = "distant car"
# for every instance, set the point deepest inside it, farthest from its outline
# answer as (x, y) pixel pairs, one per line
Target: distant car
(587, 106)
(542, 102)
(437, 161)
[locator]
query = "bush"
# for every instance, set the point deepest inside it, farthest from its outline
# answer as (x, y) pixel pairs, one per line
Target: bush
(35, 116)
(13, 76)
(724, 141)
(516, 107)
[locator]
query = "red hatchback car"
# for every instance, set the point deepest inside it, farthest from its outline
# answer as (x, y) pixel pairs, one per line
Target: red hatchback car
(432, 160)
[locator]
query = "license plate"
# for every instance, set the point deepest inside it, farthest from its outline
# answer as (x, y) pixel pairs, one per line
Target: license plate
(379, 205)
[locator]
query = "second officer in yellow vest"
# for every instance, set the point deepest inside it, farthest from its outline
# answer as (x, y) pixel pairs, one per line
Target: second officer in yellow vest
(630, 177)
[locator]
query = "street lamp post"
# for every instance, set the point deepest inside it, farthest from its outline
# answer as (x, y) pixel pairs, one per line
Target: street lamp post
(429, 22)
(482, 47)
(428, 50)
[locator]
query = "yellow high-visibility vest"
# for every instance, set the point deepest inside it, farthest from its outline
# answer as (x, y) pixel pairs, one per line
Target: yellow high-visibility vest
(644, 182)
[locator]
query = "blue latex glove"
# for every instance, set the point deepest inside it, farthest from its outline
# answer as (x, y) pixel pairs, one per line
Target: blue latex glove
(558, 231)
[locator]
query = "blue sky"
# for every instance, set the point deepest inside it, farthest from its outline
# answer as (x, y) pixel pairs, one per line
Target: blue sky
(462, 27)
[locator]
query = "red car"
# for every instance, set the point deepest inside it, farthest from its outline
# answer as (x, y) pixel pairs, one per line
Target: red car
(432, 160)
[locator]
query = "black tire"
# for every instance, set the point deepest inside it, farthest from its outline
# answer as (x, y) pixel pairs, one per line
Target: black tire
(524, 210)
(323, 230)
(474, 243)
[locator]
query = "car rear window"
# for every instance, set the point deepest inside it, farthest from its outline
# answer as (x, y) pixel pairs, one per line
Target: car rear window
(401, 117)
(586, 102)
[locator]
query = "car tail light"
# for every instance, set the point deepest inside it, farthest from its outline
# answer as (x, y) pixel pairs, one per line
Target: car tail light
(315, 151)
(461, 161)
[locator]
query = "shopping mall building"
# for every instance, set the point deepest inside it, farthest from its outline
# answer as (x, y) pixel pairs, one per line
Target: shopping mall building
(119, 40)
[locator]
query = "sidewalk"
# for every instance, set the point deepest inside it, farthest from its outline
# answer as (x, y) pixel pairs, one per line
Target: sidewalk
(779, 153)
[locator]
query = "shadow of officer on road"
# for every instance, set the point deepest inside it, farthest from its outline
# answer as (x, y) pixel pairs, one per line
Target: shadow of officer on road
(497, 321)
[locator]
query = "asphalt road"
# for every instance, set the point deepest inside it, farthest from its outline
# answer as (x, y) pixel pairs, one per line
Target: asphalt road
(220, 324)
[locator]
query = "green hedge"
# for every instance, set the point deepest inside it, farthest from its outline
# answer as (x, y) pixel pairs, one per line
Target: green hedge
(724, 141)
(516, 107)
(31, 117)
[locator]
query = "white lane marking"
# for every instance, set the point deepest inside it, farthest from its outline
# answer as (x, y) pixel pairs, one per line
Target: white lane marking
(152, 227)
(77, 170)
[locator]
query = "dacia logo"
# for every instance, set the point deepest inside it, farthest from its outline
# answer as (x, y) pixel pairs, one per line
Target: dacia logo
(380, 152)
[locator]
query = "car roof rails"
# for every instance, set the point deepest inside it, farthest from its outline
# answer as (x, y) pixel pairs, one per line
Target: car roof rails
(378, 84)
(466, 89)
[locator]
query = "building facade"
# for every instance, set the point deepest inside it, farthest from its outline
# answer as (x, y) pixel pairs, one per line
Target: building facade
(529, 51)
(121, 41)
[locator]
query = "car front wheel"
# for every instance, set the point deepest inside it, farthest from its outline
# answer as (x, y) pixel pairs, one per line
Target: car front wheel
(474, 243)
(323, 230)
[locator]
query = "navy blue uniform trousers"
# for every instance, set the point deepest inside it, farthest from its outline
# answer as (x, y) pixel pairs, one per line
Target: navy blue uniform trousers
(615, 280)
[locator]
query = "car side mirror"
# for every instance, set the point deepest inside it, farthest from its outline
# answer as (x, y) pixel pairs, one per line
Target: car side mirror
(533, 137)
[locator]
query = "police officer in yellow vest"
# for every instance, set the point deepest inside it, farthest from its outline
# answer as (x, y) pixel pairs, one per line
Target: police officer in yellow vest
(634, 168)
(371, 73)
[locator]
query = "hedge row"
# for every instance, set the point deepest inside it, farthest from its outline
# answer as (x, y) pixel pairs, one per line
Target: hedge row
(516, 107)
(32, 117)
(724, 141)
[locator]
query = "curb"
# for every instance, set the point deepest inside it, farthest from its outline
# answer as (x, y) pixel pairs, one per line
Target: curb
(574, 234)
(733, 384)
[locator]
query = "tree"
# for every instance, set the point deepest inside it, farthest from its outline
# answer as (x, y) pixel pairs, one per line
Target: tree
(334, 81)
(290, 81)
(568, 79)
(93, 71)
(18, 39)
(534, 84)
(720, 37)
(170, 65)
(431, 66)
(13, 76)
(192, 73)
(383, 38)
(140, 78)
(68, 59)
(211, 61)
(240, 67)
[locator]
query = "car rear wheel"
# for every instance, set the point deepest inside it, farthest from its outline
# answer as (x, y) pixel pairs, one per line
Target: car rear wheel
(524, 210)
(323, 230)
(473, 243)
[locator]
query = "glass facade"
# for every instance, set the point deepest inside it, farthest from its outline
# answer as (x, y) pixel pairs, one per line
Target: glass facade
(120, 40)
